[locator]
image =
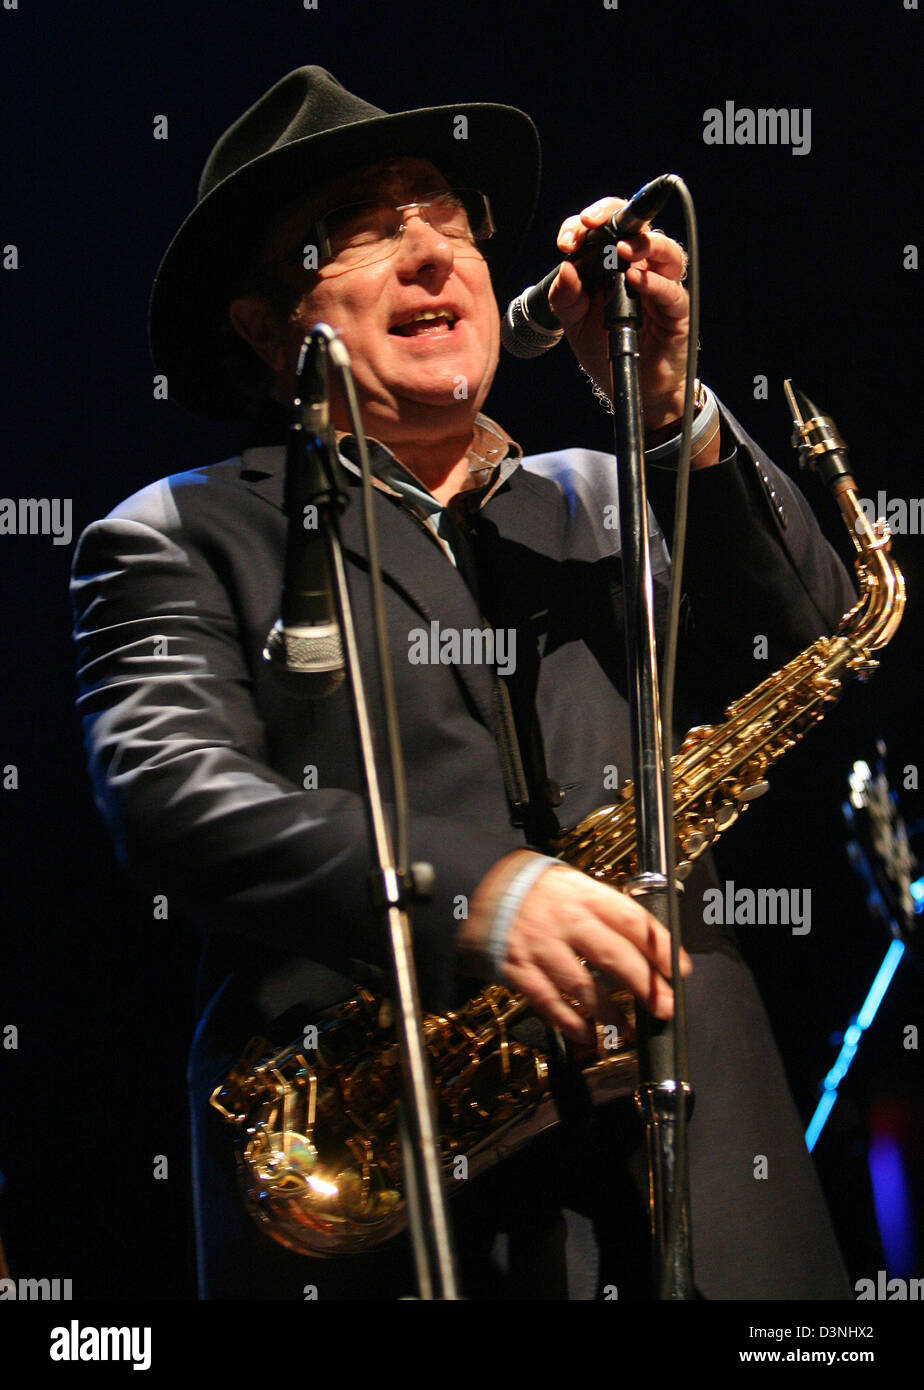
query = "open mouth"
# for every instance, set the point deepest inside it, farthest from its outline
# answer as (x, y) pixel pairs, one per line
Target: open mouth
(426, 323)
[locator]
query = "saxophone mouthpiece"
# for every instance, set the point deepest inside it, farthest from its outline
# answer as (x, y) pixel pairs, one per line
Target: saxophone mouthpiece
(800, 407)
(817, 439)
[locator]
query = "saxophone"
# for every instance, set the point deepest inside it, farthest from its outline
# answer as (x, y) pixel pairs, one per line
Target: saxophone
(317, 1147)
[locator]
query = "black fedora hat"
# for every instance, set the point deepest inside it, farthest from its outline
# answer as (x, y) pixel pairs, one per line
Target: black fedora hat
(304, 130)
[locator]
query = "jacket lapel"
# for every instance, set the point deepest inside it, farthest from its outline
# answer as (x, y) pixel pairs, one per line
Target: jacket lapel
(413, 563)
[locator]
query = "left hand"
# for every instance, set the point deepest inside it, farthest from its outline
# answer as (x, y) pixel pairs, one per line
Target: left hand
(657, 264)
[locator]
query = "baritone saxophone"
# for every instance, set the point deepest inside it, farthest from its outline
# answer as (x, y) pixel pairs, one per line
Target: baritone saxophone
(317, 1147)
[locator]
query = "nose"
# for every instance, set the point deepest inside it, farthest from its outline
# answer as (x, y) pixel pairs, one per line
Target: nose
(423, 246)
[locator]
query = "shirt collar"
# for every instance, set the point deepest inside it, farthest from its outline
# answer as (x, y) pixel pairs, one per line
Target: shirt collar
(493, 456)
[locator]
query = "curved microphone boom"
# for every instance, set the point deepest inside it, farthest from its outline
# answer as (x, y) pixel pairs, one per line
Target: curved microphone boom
(530, 326)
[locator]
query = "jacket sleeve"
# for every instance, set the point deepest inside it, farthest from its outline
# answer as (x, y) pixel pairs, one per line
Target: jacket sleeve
(757, 566)
(182, 773)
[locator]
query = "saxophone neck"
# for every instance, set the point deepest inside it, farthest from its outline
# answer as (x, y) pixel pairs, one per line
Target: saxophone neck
(821, 448)
(816, 437)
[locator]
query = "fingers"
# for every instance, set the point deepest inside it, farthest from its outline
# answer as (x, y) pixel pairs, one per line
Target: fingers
(652, 248)
(626, 950)
(567, 297)
(548, 1003)
(574, 229)
(611, 919)
(640, 963)
(666, 299)
(657, 251)
(566, 995)
(546, 975)
(567, 919)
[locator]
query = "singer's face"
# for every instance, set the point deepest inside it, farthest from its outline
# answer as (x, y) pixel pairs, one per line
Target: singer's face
(413, 374)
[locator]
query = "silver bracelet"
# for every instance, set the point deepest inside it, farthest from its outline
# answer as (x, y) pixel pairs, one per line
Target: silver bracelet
(704, 421)
(508, 906)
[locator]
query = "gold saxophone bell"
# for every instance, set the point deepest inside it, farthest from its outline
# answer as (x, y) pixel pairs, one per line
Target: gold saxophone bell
(317, 1142)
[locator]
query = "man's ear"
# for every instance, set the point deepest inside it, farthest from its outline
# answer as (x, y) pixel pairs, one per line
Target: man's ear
(253, 318)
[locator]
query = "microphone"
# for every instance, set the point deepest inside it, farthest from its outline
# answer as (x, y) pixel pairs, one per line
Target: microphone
(306, 636)
(530, 326)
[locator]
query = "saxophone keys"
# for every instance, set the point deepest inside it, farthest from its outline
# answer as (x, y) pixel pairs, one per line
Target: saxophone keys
(699, 734)
(752, 792)
(827, 687)
(698, 839)
(726, 815)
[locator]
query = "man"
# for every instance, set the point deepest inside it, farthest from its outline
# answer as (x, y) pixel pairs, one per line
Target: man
(199, 749)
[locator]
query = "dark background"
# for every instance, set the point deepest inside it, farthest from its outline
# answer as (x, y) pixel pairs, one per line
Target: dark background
(802, 275)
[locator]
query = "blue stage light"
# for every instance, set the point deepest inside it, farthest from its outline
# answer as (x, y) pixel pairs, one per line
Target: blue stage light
(852, 1041)
(893, 1203)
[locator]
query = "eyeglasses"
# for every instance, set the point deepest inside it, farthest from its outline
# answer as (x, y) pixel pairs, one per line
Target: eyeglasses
(365, 232)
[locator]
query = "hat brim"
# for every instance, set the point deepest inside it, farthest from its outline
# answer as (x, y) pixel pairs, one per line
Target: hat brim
(494, 148)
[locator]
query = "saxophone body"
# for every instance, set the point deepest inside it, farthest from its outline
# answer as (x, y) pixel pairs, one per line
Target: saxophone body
(317, 1142)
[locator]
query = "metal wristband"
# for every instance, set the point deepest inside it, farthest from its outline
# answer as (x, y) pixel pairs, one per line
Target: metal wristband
(514, 893)
(705, 426)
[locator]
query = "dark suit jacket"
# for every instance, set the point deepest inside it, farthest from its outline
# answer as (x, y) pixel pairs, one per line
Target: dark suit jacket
(201, 752)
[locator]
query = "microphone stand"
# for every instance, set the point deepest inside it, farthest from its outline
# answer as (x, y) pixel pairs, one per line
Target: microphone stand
(320, 482)
(659, 1094)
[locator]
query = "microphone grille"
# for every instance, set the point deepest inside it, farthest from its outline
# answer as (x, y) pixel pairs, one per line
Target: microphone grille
(309, 651)
(522, 336)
